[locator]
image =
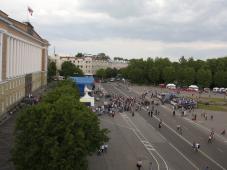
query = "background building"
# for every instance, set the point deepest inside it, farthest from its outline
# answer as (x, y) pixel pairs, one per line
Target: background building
(23, 61)
(88, 64)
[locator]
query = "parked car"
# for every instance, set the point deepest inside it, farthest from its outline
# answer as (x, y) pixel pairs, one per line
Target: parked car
(112, 79)
(206, 90)
(221, 90)
(215, 89)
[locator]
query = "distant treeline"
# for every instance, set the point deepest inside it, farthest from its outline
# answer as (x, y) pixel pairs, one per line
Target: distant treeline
(209, 73)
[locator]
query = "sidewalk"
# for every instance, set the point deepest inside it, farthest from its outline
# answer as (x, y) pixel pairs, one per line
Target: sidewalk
(6, 136)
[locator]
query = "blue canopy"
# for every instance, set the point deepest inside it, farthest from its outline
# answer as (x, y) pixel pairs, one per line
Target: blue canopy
(81, 82)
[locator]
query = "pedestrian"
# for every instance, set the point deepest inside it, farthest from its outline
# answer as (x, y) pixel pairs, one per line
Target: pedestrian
(151, 114)
(139, 164)
(174, 113)
(105, 147)
(160, 124)
(211, 117)
(102, 148)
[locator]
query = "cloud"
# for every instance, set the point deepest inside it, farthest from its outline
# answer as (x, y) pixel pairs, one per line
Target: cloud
(192, 27)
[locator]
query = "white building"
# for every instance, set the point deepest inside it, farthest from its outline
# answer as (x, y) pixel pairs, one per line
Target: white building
(88, 64)
(23, 61)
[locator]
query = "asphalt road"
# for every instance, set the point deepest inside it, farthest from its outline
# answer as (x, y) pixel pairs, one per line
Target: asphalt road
(138, 137)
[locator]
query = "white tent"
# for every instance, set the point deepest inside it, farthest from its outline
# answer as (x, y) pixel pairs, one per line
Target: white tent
(194, 87)
(171, 86)
(86, 89)
(88, 99)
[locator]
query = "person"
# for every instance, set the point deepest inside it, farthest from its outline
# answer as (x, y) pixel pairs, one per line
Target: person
(133, 114)
(174, 113)
(197, 146)
(179, 129)
(102, 148)
(151, 113)
(211, 117)
(206, 168)
(139, 164)
(193, 145)
(210, 139)
(105, 147)
(160, 124)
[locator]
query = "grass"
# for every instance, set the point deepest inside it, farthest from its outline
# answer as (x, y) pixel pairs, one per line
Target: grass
(211, 107)
(214, 99)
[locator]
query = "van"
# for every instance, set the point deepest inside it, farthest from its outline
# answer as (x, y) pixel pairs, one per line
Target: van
(215, 89)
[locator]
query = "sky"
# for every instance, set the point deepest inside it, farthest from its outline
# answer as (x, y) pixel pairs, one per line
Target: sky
(128, 28)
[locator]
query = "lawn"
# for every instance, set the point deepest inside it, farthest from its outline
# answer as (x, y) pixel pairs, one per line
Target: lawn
(211, 107)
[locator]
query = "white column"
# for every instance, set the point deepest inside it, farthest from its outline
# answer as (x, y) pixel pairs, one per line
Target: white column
(8, 57)
(11, 57)
(20, 55)
(29, 59)
(1, 42)
(26, 58)
(14, 57)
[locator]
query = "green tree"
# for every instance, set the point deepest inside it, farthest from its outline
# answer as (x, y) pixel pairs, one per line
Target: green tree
(79, 55)
(101, 73)
(204, 77)
(169, 74)
(51, 70)
(57, 134)
(220, 78)
(69, 69)
(153, 75)
(189, 75)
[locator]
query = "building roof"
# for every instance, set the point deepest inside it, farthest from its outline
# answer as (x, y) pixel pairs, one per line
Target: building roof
(23, 27)
(83, 80)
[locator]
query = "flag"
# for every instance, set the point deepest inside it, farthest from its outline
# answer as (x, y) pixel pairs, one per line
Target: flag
(30, 11)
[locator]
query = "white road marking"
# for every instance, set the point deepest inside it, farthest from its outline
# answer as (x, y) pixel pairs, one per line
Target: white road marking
(149, 146)
(220, 150)
(205, 128)
(203, 153)
(183, 156)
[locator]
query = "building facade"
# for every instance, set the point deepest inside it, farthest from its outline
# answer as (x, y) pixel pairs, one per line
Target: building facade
(88, 64)
(23, 61)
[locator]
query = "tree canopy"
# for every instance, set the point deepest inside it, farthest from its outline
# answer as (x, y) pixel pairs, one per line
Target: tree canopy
(58, 133)
(69, 69)
(209, 73)
(51, 70)
(107, 73)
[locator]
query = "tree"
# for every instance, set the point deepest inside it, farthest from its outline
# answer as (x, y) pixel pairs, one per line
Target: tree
(51, 70)
(69, 69)
(153, 75)
(204, 77)
(169, 74)
(57, 134)
(220, 78)
(79, 55)
(189, 75)
(101, 73)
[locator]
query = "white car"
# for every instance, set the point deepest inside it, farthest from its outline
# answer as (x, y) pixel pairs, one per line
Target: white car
(215, 89)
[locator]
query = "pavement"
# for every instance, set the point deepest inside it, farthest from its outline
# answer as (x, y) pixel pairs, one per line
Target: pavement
(218, 124)
(7, 127)
(173, 150)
